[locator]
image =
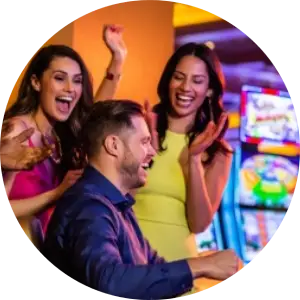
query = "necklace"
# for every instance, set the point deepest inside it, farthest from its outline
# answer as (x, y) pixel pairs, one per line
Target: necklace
(56, 151)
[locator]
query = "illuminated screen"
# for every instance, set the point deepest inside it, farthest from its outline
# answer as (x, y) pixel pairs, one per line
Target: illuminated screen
(207, 240)
(268, 115)
(267, 180)
(258, 227)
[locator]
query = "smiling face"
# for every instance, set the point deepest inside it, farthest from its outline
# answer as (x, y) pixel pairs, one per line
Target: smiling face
(59, 88)
(136, 154)
(189, 86)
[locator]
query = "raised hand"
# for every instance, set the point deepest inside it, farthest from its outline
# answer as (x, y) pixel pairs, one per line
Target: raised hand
(151, 119)
(14, 155)
(207, 137)
(112, 36)
(79, 159)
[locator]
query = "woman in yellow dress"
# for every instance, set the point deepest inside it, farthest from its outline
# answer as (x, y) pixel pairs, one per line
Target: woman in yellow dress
(188, 176)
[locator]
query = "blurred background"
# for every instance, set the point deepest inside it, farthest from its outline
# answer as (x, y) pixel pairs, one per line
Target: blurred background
(263, 132)
(263, 128)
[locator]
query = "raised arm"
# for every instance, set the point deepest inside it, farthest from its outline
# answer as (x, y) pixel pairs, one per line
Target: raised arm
(204, 187)
(113, 39)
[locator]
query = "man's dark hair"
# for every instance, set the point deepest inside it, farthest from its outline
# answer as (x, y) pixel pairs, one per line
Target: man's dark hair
(108, 117)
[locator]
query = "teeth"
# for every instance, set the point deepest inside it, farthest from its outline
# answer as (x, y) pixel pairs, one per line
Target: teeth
(145, 165)
(65, 98)
(184, 98)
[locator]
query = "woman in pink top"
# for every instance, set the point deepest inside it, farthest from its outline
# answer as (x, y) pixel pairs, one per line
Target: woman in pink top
(55, 96)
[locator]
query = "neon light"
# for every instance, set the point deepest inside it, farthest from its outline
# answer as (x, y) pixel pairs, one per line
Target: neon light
(214, 36)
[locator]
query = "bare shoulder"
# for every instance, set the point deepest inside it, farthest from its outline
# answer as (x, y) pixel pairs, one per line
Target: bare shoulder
(19, 124)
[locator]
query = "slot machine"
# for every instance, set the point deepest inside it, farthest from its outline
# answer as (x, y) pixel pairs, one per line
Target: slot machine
(265, 170)
(210, 239)
(228, 209)
(207, 242)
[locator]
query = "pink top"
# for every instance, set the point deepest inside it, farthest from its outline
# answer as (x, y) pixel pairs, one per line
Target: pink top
(33, 182)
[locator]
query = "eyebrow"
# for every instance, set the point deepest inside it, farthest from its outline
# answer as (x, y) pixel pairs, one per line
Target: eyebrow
(64, 72)
(196, 75)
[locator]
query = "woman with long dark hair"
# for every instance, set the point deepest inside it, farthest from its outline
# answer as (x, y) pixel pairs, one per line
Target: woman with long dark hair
(189, 174)
(54, 98)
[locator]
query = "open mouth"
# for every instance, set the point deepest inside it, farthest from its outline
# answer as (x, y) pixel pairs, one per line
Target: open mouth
(145, 166)
(64, 103)
(184, 101)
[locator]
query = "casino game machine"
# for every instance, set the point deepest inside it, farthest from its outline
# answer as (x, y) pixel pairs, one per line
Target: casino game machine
(265, 170)
(207, 242)
(211, 239)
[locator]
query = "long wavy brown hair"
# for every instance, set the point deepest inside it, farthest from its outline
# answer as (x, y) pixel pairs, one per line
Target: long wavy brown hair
(28, 99)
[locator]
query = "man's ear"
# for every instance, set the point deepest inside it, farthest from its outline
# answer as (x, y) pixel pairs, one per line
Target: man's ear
(112, 145)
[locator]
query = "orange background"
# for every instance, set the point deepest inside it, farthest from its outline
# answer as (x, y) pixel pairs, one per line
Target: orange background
(149, 36)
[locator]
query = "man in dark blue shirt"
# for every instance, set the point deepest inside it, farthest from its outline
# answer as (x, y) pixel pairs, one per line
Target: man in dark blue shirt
(93, 235)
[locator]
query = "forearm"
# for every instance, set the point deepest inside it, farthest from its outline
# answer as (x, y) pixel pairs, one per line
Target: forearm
(198, 204)
(31, 206)
(108, 87)
(205, 189)
(216, 177)
(158, 281)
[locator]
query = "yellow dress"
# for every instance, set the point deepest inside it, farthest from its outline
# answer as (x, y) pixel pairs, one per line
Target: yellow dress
(160, 204)
(160, 208)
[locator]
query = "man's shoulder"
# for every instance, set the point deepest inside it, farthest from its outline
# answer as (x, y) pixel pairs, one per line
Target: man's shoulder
(82, 197)
(80, 205)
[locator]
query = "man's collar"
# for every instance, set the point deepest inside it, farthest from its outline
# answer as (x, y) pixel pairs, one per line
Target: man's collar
(101, 185)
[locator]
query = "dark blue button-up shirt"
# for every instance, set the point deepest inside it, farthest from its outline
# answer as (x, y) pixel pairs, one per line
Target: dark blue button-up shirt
(94, 237)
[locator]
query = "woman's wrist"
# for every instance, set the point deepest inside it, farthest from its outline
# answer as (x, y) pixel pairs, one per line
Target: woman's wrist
(114, 70)
(57, 193)
(195, 164)
(194, 159)
(118, 57)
